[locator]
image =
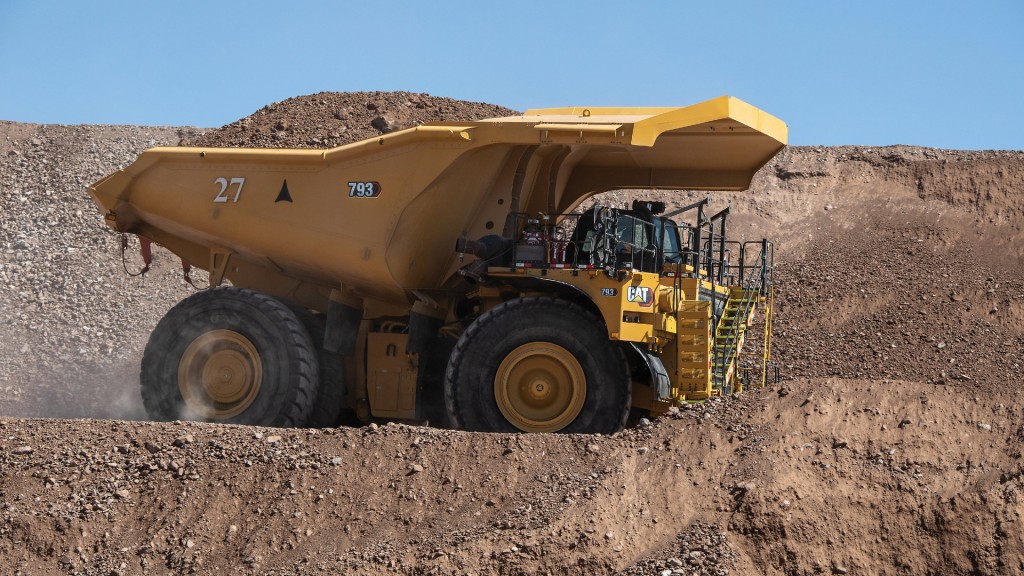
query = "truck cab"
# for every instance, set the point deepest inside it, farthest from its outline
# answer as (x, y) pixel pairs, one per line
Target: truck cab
(637, 239)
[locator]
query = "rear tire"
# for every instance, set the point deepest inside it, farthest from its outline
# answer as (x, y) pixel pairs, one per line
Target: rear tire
(232, 356)
(537, 365)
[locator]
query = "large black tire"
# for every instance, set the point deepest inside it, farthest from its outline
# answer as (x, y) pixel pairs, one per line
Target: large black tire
(329, 408)
(230, 355)
(537, 365)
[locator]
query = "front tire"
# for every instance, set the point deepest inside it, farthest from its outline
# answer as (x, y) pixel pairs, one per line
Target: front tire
(230, 355)
(537, 365)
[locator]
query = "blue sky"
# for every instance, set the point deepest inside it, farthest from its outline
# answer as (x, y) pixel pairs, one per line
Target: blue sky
(939, 73)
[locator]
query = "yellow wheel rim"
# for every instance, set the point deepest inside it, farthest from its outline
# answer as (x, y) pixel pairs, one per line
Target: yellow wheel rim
(540, 387)
(220, 374)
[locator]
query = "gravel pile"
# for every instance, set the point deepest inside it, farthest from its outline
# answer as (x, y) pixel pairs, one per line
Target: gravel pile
(330, 119)
(72, 315)
(900, 309)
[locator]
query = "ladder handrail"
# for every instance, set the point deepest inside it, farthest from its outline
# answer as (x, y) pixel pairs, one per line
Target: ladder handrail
(752, 287)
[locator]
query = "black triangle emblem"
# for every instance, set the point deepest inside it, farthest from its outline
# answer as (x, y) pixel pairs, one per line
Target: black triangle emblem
(283, 195)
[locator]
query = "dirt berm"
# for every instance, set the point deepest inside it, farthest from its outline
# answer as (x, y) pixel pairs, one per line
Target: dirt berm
(892, 445)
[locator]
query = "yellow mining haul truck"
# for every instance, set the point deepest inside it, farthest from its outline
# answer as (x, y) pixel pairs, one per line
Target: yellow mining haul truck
(448, 273)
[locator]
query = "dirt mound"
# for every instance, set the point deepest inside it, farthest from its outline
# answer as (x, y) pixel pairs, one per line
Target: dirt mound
(892, 446)
(820, 476)
(330, 119)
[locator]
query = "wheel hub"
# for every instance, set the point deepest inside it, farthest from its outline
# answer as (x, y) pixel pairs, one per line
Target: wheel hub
(540, 387)
(539, 390)
(220, 374)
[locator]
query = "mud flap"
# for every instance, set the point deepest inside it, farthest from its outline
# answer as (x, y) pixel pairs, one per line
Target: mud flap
(342, 328)
(660, 382)
(422, 333)
(433, 354)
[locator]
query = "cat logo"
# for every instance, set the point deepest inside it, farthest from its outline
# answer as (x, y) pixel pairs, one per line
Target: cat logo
(641, 295)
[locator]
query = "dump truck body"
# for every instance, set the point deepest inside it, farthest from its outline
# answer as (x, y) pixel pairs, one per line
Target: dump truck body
(402, 242)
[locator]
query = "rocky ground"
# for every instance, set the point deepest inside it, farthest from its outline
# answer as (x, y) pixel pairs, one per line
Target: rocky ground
(892, 445)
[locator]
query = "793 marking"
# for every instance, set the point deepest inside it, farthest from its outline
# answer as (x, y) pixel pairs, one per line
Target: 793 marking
(222, 196)
(363, 189)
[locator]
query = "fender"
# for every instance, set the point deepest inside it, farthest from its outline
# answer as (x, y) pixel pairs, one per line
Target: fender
(660, 381)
